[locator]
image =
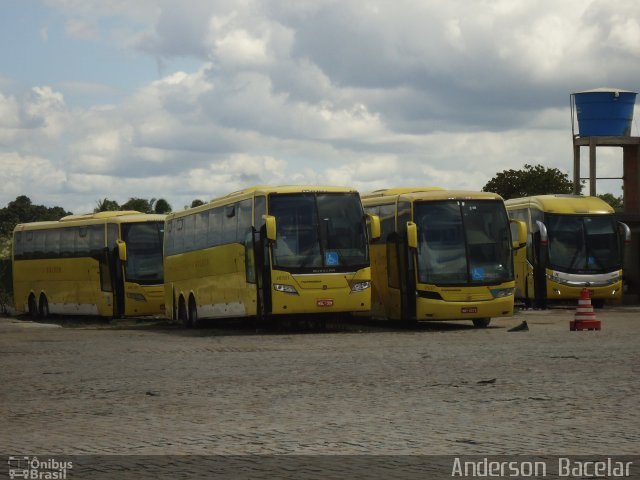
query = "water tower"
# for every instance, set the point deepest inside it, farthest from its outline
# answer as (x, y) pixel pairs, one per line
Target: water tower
(605, 118)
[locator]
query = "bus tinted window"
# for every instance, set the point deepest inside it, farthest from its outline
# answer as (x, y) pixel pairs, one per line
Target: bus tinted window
(202, 229)
(387, 220)
(463, 242)
(260, 209)
(52, 243)
(230, 223)
(580, 244)
(244, 218)
(144, 252)
(323, 230)
(68, 242)
(214, 236)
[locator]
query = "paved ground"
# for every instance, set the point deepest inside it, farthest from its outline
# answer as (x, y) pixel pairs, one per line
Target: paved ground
(135, 388)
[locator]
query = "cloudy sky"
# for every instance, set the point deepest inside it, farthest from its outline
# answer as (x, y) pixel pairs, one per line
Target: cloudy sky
(185, 99)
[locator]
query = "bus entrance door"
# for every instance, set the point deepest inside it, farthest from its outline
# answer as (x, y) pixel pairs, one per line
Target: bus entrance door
(257, 265)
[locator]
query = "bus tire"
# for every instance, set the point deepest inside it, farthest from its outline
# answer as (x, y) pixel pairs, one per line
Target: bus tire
(193, 313)
(481, 322)
(183, 316)
(44, 306)
(33, 306)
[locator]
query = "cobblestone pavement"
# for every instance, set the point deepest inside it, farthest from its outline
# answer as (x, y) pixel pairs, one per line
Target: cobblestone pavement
(137, 388)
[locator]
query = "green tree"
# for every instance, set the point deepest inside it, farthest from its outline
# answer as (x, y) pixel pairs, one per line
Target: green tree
(21, 210)
(139, 204)
(106, 205)
(196, 203)
(615, 202)
(162, 206)
(532, 180)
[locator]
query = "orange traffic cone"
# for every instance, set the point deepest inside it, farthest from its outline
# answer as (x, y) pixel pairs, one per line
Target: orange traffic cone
(585, 317)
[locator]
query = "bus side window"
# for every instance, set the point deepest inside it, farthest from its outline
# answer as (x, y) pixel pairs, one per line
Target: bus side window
(387, 221)
(68, 242)
(28, 246)
(18, 246)
(168, 238)
(244, 219)
(259, 210)
(52, 243)
(229, 224)
(189, 232)
(112, 235)
(201, 229)
(38, 244)
(214, 236)
(96, 239)
(178, 240)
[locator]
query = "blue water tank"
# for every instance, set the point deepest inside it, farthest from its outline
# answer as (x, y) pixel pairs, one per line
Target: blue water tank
(604, 112)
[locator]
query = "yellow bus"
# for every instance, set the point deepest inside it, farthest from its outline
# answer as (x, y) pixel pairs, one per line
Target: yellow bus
(270, 251)
(574, 242)
(107, 264)
(442, 255)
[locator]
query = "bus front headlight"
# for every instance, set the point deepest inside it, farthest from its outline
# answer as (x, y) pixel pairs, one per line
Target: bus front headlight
(360, 286)
(501, 292)
(281, 287)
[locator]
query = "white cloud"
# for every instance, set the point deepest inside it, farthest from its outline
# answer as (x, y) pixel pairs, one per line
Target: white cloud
(31, 175)
(370, 94)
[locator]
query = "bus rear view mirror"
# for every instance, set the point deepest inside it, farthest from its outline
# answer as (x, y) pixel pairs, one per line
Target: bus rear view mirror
(374, 223)
(412, 235)
(122, 250)
(519, 233)
(270, 224)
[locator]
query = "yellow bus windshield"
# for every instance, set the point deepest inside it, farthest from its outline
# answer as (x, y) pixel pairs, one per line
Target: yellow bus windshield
(144, 252)
(319, 231)
(583, 243)
(463, 242)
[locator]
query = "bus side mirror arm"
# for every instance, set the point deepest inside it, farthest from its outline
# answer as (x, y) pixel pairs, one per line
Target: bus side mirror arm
(270, 225)
(122, 250)
(627, 233)
(374, 222)
(544, 236)
(412, 235)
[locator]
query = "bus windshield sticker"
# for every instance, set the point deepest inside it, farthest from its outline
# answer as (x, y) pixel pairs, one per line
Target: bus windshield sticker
(477, 273)
(331, 258)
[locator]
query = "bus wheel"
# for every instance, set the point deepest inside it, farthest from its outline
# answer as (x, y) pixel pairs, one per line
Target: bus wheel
(182, 314)
(44, 306)
(193, 314)
(33, 307)
(481, 322)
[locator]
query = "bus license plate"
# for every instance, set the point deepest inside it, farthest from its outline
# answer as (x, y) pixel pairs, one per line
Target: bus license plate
(469, 309)
(325, 302)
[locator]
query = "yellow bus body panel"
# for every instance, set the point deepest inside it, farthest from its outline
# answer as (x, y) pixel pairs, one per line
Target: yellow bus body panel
(559, 291)
(215, 277)
(465, 303)
(322, 293)
(68, 284)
